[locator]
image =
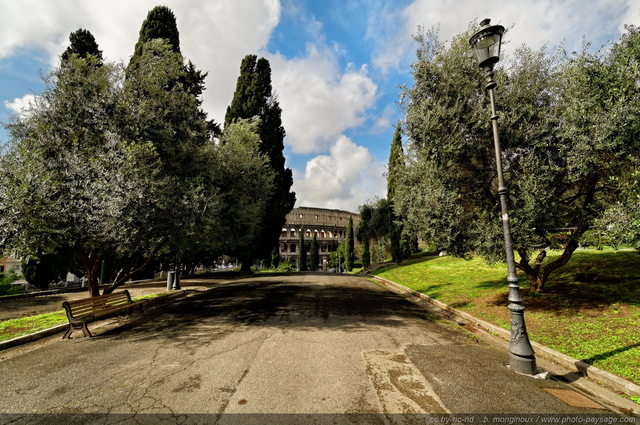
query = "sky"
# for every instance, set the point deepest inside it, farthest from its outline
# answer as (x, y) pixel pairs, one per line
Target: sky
(337, 65)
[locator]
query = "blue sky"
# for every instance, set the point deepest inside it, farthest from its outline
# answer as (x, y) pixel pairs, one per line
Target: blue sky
(336, 64)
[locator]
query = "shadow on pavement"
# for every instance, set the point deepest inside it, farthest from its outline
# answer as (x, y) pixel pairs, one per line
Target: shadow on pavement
(256, 302)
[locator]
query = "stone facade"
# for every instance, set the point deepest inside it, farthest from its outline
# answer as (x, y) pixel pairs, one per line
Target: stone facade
(330, 227)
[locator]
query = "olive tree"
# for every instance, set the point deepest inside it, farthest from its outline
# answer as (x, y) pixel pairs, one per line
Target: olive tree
(564, 135)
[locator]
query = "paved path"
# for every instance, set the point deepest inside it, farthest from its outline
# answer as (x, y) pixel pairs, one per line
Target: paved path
(304, 343)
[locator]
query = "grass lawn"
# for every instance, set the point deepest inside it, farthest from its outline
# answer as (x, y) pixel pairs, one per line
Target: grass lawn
(589, 310)
(27, 325)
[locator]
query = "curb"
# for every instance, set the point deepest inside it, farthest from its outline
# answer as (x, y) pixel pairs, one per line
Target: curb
(24, 339)
(600, 376)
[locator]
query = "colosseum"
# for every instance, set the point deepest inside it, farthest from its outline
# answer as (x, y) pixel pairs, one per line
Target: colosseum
(329, 226)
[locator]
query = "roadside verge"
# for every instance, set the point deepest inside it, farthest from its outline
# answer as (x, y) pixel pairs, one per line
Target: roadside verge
(578, 367)
(152, 303)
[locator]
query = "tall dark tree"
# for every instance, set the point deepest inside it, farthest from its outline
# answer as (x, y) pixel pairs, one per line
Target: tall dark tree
(314, 255)
(254, 98)
(302, 252)
(82, 44)
(400, 246)
(164, 108)
(396, 164)
(364, 232)
(350, 254)
(160, 24)
(160, 84)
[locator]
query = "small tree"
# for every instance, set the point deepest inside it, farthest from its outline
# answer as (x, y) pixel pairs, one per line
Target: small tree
(275, 258)
(253, 97)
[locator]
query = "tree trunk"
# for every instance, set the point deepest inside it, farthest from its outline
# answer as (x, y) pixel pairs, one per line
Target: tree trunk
(91, 263)
(539, 275)
(127, 272)
(246, 263)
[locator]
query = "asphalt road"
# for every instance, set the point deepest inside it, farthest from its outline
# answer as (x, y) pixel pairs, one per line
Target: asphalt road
(308, 343)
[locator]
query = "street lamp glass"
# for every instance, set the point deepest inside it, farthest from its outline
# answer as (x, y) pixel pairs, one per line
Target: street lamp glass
(486, 43)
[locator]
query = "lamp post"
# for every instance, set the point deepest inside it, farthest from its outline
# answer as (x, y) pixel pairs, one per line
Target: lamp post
(486, 45)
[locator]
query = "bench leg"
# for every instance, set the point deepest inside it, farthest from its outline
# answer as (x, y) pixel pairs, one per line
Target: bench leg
(85, 330)
(67, 334)
(71, 328)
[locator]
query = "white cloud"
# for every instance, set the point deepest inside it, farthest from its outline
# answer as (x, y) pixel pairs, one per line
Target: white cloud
(320, 101)
(383, 121)
(344, 179)
(536, 23)
(21, 105)
(215, 35)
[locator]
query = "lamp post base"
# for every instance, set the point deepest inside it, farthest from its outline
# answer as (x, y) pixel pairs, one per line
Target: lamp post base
(524, 365)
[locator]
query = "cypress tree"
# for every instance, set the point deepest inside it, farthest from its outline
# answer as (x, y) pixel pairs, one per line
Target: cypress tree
(350, 255)
(314, 255)
(396, 157)
(160, 23)
(183, 127)
(364, 233)
(396, 163)
(253, 97)
(400, 248)
(83, 44)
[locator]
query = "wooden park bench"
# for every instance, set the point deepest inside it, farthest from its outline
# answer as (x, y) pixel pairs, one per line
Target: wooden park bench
(81, 312)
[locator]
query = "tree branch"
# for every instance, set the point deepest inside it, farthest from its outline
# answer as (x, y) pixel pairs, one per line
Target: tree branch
(122, 279)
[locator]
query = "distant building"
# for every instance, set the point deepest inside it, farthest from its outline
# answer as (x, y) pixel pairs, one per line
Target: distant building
(8, 263)
(329, 226)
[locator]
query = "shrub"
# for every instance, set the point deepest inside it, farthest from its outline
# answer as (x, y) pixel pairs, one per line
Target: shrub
(6, 279)
(286, 266)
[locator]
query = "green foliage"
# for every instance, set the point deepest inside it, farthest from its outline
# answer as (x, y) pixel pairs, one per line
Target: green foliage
(6, 286)
(337, 257)
(68, 179)
(396, 163)
(374, 230)
(275, 258)
(253, 98)
(285, 267)
(238, 180)
(314, 254)
(44, 269)
(350, 252)
(161, 110)
(82, 44)
(568, 123)
(159, 24)
(621, 221)
(122, 167)
(399, 235)
(363, 233)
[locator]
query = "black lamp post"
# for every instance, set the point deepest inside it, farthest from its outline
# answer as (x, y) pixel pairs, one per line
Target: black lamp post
(486, 45)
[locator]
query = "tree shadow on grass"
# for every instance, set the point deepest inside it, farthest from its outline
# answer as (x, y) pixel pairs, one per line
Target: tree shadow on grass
(433, 291)
(606, 355)
(559, 296)
(375, 270)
